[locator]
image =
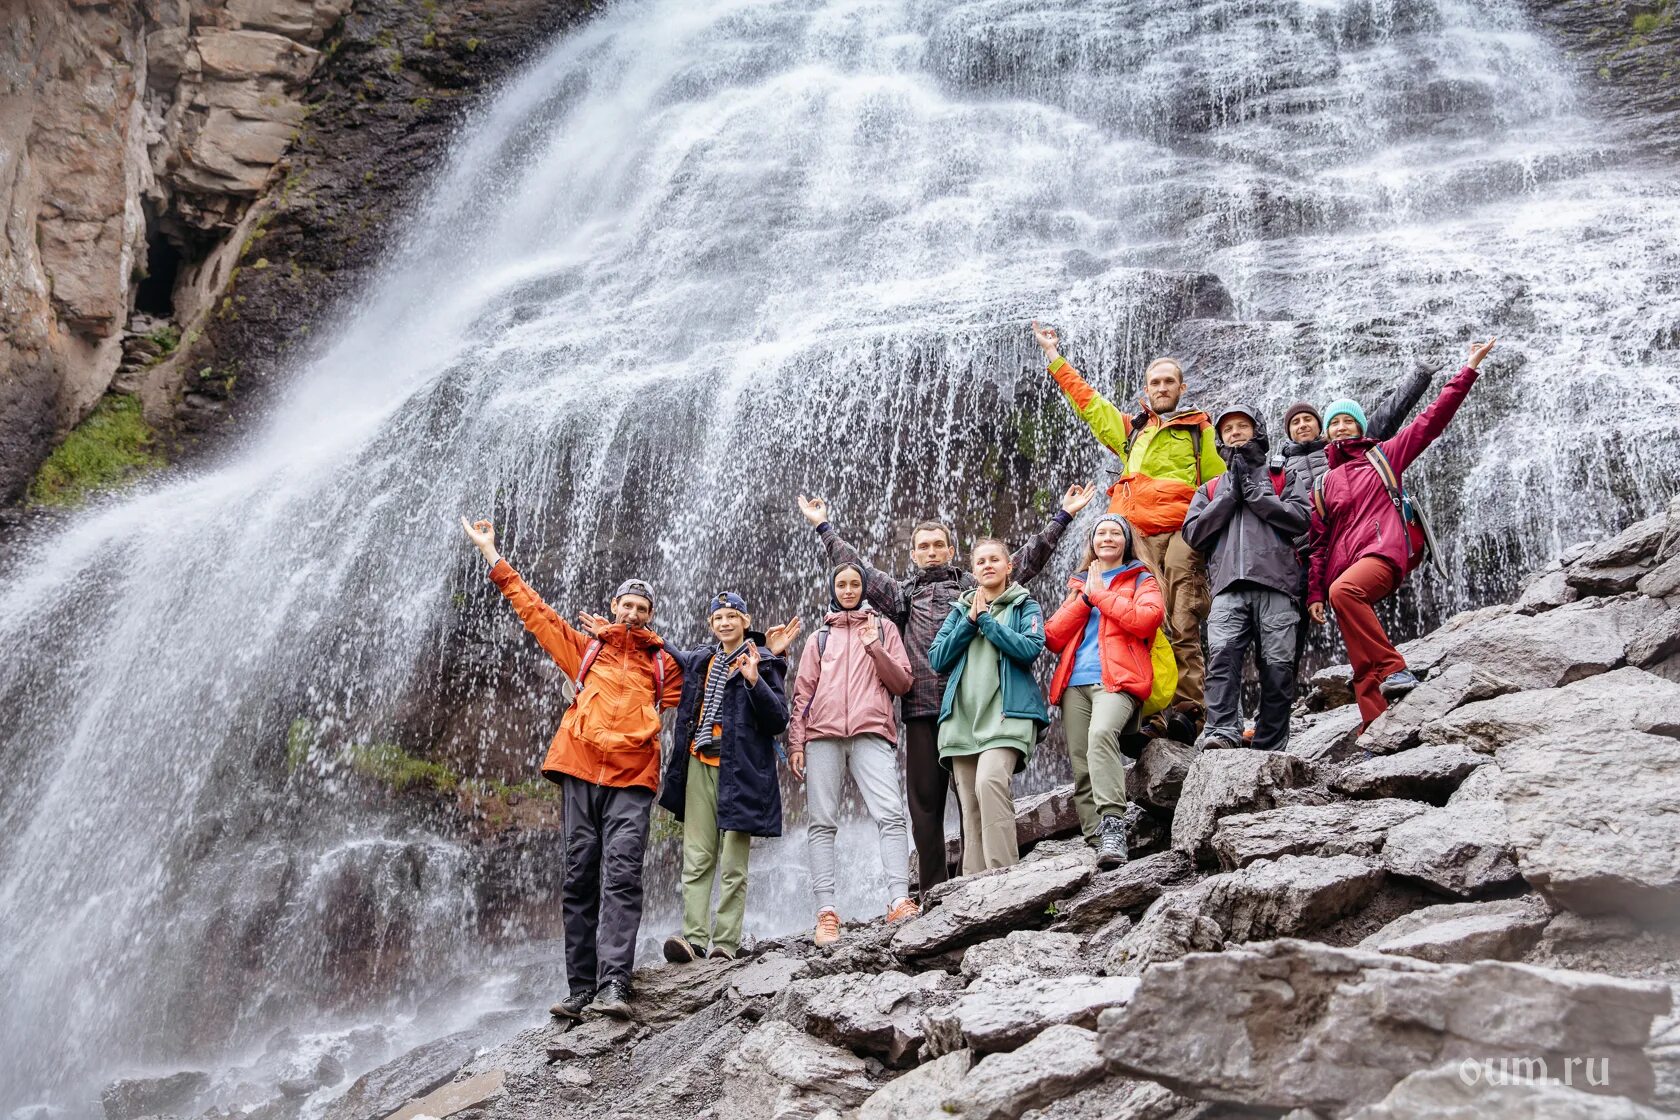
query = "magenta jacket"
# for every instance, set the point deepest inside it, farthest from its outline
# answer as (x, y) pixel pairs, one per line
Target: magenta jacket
(1362, 520)
(848, 689)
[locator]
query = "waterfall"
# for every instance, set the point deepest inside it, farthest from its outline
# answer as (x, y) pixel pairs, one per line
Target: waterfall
(696, 259)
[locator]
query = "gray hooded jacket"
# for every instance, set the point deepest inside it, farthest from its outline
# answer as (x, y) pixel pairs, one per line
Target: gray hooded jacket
(1245, 521)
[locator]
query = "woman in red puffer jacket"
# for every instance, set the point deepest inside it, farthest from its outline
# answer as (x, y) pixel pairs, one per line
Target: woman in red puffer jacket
(1103, 632)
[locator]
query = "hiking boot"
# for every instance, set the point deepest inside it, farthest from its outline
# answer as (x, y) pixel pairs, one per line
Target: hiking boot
(1184, 722)
(719, 953)
(1396, 685)
(1111, 843)
(680, 950)
(828, 927)
(572, 1006)
(1216, 738)
(613, 1000)
(902, 910)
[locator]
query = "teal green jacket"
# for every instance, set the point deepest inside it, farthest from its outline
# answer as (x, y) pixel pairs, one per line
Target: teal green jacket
(1017, 631)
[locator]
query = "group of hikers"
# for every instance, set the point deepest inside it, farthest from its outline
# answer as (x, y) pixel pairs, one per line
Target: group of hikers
(1207, 523)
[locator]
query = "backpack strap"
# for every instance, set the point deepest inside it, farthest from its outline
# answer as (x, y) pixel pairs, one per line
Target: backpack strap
(1385, 471)
(593, 651)
(1318, 500)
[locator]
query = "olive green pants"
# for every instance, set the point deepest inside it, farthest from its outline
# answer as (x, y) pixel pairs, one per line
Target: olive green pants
(705, 851)
(1093, 721)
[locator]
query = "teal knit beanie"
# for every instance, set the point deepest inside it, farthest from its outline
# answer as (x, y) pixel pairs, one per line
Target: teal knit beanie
(1347, 407)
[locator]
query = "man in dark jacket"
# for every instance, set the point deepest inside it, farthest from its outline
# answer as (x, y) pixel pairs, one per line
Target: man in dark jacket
(1245, 523)
(720, 770)
(918, 606)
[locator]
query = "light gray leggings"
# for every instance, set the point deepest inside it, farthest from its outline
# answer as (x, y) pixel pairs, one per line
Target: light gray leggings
(874, 764)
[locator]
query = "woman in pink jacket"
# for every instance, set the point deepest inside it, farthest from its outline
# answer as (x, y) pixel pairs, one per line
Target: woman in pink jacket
(842, 716)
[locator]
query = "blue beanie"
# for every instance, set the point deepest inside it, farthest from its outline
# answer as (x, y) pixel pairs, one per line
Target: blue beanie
(1348, 408)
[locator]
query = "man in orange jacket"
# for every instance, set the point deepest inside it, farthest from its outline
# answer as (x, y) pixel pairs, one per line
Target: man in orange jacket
(605, 758)
(1166, 453)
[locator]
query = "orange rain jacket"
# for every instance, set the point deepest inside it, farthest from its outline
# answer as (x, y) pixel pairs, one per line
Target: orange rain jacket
(610, 734)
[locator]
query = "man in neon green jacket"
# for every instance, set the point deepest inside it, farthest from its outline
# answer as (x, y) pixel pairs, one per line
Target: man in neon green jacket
(1166, 453)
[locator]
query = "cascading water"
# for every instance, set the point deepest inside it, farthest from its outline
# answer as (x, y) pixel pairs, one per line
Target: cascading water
(701, 257)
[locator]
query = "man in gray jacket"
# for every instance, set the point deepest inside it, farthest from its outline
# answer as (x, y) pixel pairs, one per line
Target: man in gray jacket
(1245, 522)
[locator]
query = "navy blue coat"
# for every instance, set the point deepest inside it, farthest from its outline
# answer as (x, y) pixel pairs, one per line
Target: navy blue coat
(749, 793)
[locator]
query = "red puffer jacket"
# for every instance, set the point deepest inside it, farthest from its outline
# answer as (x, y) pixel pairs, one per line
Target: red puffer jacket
(1132, 608)
(1360, 517)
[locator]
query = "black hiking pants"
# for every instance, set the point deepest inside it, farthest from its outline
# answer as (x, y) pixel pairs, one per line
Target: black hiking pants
(606, 830)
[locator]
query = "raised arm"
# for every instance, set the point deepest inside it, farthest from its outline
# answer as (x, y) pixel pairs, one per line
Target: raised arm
(1397, 404)
(563, 641)
(1067, 624)
(1030, 558)
(1411, 441)
(884, 592)
(1110, 425)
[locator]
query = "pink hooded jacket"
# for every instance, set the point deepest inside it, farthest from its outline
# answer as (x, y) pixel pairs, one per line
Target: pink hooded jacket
(848, 688)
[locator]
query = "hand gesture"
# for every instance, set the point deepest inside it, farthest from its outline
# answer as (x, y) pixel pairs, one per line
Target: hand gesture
(592, 624)
(1093, 578)
(979, 606)
(781, 637)
(814, 509)
(1478, 351)
(1077, 498)
(796, 762)
(1046, 339)
(870, 632)
(749, 664)
(1316, 610)
(483, 534)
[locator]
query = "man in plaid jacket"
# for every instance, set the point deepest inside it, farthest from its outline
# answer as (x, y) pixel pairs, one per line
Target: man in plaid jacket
(918, 605)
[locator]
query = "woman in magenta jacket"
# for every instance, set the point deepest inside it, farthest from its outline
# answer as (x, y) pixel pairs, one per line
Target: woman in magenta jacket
(1361, 547)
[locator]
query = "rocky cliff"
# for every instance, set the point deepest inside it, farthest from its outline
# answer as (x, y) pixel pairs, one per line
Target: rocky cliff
(190, 185)
(1470, 909)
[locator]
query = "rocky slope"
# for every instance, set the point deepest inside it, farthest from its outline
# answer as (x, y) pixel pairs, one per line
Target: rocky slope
(189, 184)
(1471, 909)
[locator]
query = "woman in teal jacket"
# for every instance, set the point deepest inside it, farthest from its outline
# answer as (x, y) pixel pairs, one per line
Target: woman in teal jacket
(993, 711)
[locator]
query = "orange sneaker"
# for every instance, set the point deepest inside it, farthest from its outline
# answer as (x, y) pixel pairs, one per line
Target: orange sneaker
(828, 928)
(902, 909)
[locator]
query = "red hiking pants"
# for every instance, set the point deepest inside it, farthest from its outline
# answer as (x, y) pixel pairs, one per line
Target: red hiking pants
(1353, 596)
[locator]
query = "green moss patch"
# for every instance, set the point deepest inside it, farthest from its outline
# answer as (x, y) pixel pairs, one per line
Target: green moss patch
(113, 446)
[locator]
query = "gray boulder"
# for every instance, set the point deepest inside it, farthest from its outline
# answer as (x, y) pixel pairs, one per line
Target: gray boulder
(1160, 772)
(1129, 888)
(917, 1095)
(134, 1097)
(1453, 687)
(1293, 1024)
(1482, 784)
(1003, 1086)
(1231, 781)
(1429, 773)
(879, 1014)
(1327, 737)
(1268, 898)
(1624, 698)
(779, 1072)
(1339, 828)
(1657, 642)
(1593, 818)
(1503, 930)
(1024, 954)
(1475, 1092)
(1462, 849)
(991, 1017)
(383, 1090)
(1568, 644)
(1546, 591)
(982, 907)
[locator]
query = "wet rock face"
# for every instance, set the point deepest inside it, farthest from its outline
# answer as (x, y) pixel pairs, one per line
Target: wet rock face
(1626, 52)
(163, 145)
